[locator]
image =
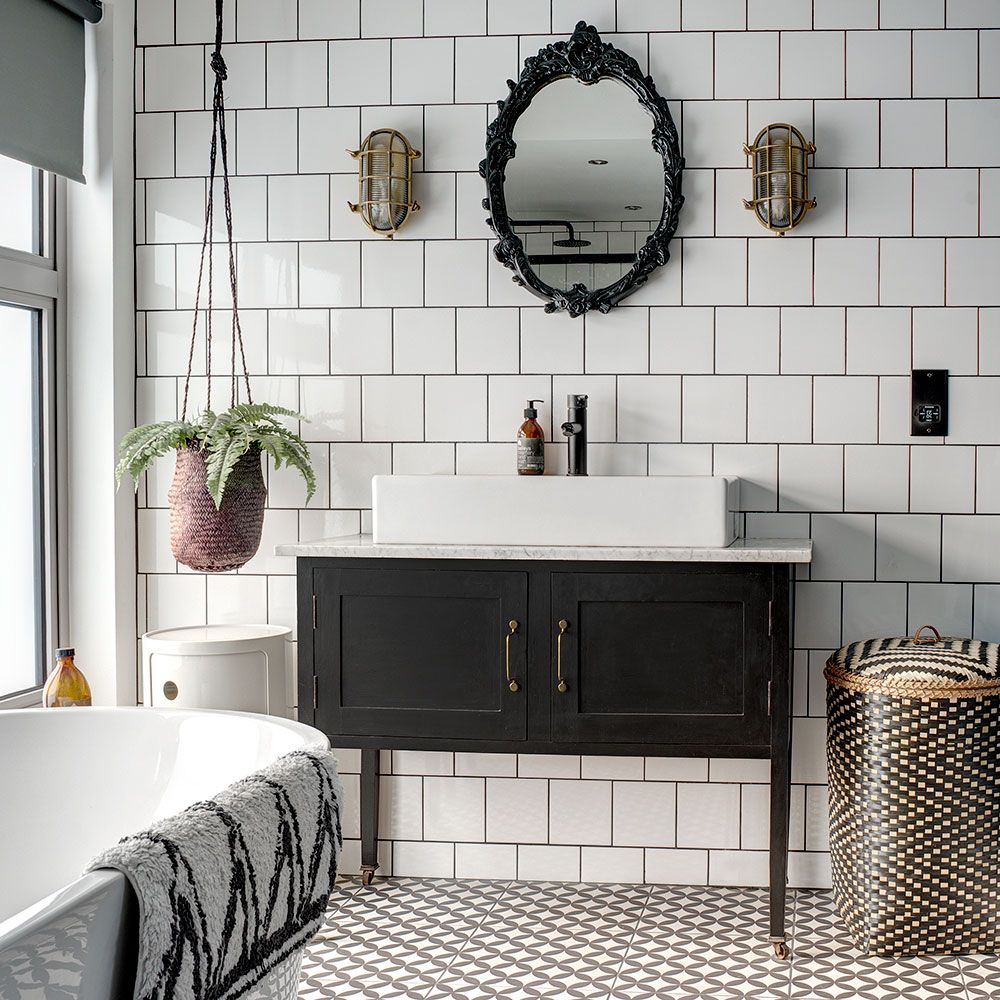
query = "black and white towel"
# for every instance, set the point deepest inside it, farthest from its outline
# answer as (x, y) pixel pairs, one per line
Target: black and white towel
(232, 887)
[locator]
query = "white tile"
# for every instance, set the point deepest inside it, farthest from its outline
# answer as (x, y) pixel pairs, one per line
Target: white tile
(974, 133)
(989, 341)
(715, 272)
(175, 210)
(455, 407)
(605, 459)
(746, 340)
(644, 814)
(946, 338)
(248, 198)
(267, 141)
(989, 64)
(972, 14)
(325, 134)
(845, 14)
(680, 460)
(550, 343)
(389, 18)
(517, 810)
(879, 202)
(681, 339)
(878, 341)
(876, 478)
(970, 546)
(454, 136)
(755, 817)
(948, 606)
(416, 859)
(746, 65)
(268, 274)
(817, 819)
(676, 769)
(351, 469)
(332, 405)
(154, 22)
(911, 13)
(174, 78)
(418, 459)
(911, 272)
(972, 268)
(809, 870)
(878, 64)
(734, 769)
(454, 17)
(512, 17)
(779, 14)
(486, 861)
(908, 547)
(580, 812)
(988, 480)
(682, 64)
(946, 202)
(780, 271)
(454, 808)
(845, 409)
(482, 65)
(913, 133)
(624, 768)
(316, 524)
(828, 186)
(676, 867)
(360, 72)
(847, 133)
(330, 275)
(714, 15)
(392, 273)
(422, 70)
(756, 465)
(714, 408)
(298, 342)
(487, 340)
(944, 63)
(813, 340)
(817, 615)
(810, 477)
(175, 599)
(737, 868)
(543, 863)
(773, 525)
(617, 341)
(297, 207)
(279, 526)
(155, 277)
(154, 145)
(456, 272)
(486, 765)
(708, 815)
(809, 745)
(845, 546)
(987, 612)
(548, 765)
(265, 20)
(611, 864)
(320, 19)
(296, 74)
(599, 13)
(423, 341)
(649, 408)
(237, 599)
(193, 133)
(779, 408)
(392, 407)
(649, 15)
(812, 64)
(714, 133)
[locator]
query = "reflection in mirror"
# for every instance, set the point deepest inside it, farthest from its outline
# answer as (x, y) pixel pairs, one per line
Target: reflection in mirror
(585, 187)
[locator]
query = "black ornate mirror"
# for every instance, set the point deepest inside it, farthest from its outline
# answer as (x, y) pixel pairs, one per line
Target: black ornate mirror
(583, 191)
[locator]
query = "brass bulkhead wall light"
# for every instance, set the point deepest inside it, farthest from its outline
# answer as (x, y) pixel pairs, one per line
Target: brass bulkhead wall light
(779, 158)
(385, 181)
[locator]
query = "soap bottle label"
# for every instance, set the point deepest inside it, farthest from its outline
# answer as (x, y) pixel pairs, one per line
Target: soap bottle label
(531, 454)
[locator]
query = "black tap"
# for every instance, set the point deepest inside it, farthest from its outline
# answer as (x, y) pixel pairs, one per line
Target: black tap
(575, 429)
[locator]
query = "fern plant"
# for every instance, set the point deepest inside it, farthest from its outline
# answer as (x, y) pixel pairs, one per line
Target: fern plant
(224, 438)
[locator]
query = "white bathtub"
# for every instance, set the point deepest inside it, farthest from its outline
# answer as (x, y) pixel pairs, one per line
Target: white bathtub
(73, 781)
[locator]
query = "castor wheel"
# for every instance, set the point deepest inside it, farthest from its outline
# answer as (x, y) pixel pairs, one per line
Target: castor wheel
(367, 874)
(781, 950)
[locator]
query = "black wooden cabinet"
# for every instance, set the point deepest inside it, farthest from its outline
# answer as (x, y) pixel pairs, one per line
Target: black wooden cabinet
(550, 657)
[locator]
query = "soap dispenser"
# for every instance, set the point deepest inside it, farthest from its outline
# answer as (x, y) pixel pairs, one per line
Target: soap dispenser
(531, 443)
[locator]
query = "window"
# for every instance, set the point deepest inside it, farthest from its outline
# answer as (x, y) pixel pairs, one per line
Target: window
(31, 300)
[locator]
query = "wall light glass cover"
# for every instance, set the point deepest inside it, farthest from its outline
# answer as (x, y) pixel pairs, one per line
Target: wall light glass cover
(779, 158)
(385, 181)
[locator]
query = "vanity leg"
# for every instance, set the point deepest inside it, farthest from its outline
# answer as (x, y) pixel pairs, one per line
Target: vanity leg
(779, 850)
(369, 814)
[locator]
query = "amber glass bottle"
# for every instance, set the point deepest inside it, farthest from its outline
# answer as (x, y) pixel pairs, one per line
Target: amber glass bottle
(66, 685)
(531, 443)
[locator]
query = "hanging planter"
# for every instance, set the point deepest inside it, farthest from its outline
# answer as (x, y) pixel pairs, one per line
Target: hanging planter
(218, 495)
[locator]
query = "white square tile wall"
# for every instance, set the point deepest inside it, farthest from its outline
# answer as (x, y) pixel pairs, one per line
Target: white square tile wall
(783, 361)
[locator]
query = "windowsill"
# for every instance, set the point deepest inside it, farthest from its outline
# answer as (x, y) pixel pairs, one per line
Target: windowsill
(26, 699)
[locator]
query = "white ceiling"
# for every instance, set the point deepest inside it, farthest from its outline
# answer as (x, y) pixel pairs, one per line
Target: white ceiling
(567, 124)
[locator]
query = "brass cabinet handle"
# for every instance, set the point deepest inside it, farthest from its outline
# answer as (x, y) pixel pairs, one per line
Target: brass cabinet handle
(511, 681)
(562, 686)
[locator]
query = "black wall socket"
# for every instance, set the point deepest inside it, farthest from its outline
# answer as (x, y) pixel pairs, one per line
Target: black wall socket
(929, 402)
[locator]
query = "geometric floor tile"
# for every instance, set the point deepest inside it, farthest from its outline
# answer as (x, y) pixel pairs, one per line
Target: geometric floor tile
(446, 939)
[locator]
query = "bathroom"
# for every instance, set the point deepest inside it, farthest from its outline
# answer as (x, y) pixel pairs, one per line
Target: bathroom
(788, 442)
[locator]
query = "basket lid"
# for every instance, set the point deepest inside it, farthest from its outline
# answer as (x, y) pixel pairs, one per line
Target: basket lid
(922, 665)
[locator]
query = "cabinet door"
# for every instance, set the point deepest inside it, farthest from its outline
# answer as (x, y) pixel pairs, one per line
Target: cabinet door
(420, 653)
(661, 657)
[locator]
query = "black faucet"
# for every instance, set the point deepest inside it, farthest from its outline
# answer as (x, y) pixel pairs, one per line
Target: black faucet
(575, 430)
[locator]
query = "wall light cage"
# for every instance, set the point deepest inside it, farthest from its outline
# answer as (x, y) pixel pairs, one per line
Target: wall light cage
(385, 181)
(779, 158)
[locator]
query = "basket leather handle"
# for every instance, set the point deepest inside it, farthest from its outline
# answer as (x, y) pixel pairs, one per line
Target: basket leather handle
(917, 641)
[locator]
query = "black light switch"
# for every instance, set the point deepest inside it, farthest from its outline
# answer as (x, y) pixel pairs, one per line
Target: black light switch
(929, 409)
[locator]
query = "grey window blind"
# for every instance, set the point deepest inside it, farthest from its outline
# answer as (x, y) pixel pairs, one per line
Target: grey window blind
(42, 81)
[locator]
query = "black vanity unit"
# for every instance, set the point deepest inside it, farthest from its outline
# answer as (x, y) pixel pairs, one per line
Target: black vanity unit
(659, 652)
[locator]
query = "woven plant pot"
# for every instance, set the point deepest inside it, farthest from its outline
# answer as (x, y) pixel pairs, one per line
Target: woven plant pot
(913, 751)
(212, 540)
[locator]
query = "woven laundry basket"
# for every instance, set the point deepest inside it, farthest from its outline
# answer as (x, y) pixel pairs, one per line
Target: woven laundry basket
(913, 752)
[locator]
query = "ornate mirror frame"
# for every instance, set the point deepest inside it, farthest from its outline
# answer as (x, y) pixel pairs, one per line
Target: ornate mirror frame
(587, 59)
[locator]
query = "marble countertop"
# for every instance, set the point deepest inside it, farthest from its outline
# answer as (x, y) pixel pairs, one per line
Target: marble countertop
(755, 550)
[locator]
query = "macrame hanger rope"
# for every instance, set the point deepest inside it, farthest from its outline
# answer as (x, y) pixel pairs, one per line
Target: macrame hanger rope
(219, 145)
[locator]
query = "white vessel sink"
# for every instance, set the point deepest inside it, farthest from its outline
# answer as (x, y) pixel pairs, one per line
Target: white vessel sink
(673, 511)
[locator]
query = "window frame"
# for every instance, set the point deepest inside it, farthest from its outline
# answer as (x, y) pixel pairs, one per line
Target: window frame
(38, 282)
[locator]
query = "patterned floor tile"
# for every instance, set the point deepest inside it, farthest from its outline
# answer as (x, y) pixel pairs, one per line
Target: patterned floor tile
(982, 976)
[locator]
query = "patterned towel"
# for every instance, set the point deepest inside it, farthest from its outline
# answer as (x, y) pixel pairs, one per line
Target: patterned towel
(233, 886)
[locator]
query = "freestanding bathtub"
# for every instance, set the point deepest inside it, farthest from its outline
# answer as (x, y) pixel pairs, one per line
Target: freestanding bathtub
(73, 781)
